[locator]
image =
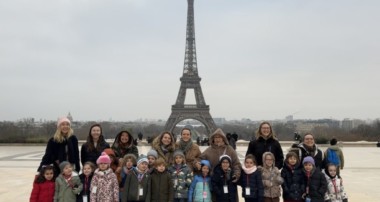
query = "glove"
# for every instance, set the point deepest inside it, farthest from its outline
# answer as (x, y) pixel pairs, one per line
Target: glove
(345, 200)
(234, 179)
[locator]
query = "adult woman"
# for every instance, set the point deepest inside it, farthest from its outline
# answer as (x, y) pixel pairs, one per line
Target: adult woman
(309, 148)
(219, 146)
(94, 145)
(63, 146)
(266, 142)
(123, 145)
(164, 145)
(190, 149)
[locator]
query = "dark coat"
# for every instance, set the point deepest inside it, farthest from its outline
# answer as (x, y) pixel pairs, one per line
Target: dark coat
(255, 183)
(302, 152)
(121, 151)
(86, 187)
(259, 146)
(317, 185)
(92, 156)
(218, 180)
(161, 188)
(132, 187)
(57, 152)
(293, 186)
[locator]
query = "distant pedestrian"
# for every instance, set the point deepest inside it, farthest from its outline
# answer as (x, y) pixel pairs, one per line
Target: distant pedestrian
(43, 185)
(63, 146)
(266, 142)
(94, 145)
(104, 186)
(231, 140)
(334, 155)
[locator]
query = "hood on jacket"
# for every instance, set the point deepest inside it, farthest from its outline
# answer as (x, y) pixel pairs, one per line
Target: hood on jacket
(206, 163)
(221, 133)
(156, 144)
(118, 137)
(268, 154)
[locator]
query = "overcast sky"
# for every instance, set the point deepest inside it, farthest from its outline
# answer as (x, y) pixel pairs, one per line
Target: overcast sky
(122, 59)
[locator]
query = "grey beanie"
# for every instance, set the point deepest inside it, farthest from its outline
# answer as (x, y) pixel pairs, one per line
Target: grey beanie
(178, 152)
(63, 165)
(153, 153)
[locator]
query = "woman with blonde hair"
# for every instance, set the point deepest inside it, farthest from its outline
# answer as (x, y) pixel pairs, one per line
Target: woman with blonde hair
(63, 146)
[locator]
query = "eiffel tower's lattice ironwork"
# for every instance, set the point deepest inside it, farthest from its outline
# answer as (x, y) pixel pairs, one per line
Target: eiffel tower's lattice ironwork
(190, 80)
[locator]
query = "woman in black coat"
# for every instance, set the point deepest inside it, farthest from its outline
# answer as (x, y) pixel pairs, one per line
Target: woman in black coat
(94, 145)
(309, 148)
(62, 147)
(266, 142)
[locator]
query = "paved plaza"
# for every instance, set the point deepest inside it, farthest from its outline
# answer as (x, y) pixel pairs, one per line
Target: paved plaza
(18, 165)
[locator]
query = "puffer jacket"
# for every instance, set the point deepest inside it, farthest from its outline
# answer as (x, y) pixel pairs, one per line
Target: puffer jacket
(293, 186)
(317, 185)
(220, 179)
(302, 152)
(67, 191)
(199, 186)
(213, 153)
(272, 179)
(254, 182)
(181, 179)
(335, 190)
(42, 192)
(104, 186)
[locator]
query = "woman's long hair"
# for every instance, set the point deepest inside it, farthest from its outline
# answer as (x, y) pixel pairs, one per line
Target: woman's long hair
(90, 140)
(59, 137)
(259, 134)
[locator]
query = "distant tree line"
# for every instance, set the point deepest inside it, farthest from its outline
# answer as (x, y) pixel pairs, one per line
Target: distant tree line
(28, 132)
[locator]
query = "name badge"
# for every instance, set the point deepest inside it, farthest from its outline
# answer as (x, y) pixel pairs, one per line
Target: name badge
(175, 182)
(247, 191)
(205, 194)
(85, 198)
(94, 190)
(225, 189)
(141, 191)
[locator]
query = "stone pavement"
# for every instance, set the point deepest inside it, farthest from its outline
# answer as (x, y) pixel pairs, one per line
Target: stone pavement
(18, 165)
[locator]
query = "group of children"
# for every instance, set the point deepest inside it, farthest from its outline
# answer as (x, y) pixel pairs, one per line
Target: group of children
(150, 179)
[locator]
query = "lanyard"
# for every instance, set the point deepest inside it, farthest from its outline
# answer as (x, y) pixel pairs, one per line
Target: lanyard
(85, 184)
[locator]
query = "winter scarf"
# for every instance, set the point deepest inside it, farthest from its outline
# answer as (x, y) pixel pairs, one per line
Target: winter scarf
(249, 170)
(185, 146)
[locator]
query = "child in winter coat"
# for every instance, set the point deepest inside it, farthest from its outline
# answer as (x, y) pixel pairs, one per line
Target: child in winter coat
(272, 179)
(67, 184)
(251, 181)
(315, 181)
(129, 161)
(335, 190)
(181, 176)
(85, 178)
(293, 186)
(137, 183)
(152, 157)
(161, 186)
(223, 184)
(104, 186)
(43, 185)
(200, 188)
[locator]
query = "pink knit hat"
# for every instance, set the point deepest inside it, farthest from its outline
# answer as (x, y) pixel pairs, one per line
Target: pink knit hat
(63, 119)
(104, 158)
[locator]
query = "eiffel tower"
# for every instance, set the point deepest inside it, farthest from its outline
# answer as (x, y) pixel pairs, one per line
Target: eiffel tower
(190, 80)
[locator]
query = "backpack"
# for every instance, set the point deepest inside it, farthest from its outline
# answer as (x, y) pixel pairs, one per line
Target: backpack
(332, 157)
